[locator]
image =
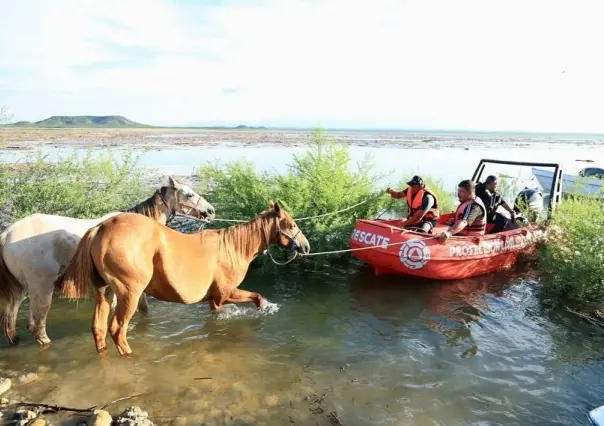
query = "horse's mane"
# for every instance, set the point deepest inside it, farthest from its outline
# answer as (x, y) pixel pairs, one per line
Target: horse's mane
(237, 242)
(153, 206)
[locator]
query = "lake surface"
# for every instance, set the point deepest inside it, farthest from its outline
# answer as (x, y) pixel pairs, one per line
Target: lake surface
(372, 350)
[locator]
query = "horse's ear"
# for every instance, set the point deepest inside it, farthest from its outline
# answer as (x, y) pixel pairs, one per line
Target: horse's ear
(277, 208)
(173, 183)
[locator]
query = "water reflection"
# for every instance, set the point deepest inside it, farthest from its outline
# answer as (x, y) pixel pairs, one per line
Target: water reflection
(450, 308)
(375, 350)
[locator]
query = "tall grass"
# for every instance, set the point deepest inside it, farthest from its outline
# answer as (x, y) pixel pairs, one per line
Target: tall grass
(319, 181)
(572, 261)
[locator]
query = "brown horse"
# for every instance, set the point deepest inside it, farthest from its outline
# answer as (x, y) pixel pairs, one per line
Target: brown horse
(132, 254)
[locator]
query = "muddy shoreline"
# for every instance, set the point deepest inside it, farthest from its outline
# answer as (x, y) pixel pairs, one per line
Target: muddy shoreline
(161, 138)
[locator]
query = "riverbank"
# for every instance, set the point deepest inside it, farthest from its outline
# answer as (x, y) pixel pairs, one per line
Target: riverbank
(23, 137)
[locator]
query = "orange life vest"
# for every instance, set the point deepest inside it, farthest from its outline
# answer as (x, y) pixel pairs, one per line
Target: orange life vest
(479, 226)
(414, 204)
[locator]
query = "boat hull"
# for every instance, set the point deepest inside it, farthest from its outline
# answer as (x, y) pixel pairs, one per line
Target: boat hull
(411, 253)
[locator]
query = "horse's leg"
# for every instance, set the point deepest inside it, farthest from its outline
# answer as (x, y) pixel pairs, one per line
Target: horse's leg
(99, 318)
(10, 319)
(125, 309)
(40, 299)
(217, 297)
(242, 296)
(143, 304)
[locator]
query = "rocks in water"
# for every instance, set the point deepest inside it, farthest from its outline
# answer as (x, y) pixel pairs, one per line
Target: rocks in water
(134, 416)
(5, 385)
(100, 418)
(28, 378)
(23, 417)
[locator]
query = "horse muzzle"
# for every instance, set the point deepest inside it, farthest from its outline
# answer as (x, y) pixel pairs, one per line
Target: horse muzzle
(303, 248)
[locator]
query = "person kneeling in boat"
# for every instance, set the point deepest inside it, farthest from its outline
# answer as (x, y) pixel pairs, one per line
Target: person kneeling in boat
(492, 199)
(470, 217)
(422, 205)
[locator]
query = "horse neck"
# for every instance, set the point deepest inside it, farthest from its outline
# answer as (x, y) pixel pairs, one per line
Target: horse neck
(242, 243)
(153, 207)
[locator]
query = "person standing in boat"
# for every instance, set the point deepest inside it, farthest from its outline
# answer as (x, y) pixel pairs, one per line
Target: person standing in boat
(470, 217)
(422, 205)
(492, 199)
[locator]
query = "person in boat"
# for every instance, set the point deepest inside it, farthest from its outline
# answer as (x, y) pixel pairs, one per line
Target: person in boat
(422, 205)
(470, 218)
(492, 199)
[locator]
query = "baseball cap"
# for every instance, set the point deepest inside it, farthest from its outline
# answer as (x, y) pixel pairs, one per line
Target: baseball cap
(416, 180)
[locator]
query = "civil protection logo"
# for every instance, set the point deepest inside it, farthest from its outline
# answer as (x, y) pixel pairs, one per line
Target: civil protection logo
(414, 254)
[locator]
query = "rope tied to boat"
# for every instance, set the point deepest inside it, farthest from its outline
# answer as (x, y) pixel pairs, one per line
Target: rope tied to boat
(398, 243)
(297, 220)
(204, 222)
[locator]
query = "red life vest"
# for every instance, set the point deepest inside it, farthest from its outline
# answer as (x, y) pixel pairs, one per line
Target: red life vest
(414, 204)
(479, 226)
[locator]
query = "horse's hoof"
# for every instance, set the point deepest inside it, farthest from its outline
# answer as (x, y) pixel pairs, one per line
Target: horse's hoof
(14, 340)
(102, 350)
(43, 341)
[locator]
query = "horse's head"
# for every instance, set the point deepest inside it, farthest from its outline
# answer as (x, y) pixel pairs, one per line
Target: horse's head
(182, 199)
(286, 231)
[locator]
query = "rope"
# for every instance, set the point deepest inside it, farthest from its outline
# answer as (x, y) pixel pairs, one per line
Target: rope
(267, 251)
(321, 253)
(297, 220)
(337, 211)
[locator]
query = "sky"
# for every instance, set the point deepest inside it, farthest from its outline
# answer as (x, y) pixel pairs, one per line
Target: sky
(512, 65)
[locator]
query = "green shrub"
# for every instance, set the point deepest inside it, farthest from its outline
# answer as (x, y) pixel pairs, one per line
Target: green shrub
(78, 186)
(572, 261)
(318, 181)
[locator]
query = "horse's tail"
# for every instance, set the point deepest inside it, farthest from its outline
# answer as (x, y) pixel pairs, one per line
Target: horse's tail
(10, 288)
(80, 273)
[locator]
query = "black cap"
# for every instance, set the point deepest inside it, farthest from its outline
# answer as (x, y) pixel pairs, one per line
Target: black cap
(416, 180)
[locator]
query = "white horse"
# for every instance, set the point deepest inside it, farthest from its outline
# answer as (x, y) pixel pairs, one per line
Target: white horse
(35, 249)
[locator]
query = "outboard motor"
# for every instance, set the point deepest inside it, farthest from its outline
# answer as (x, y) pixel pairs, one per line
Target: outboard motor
(529, 202)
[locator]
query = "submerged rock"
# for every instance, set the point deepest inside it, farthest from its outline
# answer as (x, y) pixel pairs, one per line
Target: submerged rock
(134, 416)
(100, 418)
(5, 385)
(3, 401)
(28, 378)
(38, 422)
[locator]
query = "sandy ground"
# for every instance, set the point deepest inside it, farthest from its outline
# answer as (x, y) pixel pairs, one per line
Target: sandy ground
(15, 137)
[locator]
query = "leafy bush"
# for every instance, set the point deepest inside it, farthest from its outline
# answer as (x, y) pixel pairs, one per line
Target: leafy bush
(77, 186)
(572, 261)
(318, 181)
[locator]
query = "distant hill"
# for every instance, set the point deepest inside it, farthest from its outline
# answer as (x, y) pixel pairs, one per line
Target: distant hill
(82, 121)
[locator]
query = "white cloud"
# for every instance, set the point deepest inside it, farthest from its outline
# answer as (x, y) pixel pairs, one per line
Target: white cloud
(463, 64)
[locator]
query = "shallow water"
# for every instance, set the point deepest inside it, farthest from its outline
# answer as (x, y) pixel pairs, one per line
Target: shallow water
(373, 350)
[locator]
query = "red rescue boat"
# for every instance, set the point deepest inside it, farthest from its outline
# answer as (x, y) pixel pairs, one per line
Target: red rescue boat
(412, 253)
(399, 251)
